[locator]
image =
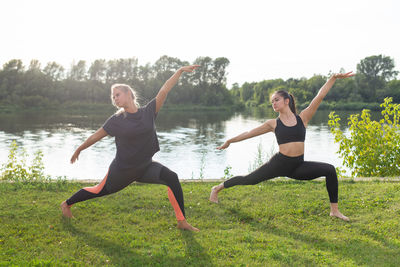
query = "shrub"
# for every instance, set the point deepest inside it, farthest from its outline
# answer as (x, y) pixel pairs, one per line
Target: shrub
(227, 173)
(372, 148)
(17, 170)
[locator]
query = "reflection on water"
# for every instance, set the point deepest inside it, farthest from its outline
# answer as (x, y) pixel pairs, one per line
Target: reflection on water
(188, 141)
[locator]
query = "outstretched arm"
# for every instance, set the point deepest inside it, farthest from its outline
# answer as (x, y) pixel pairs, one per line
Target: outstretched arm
(99, 134)
(309, 112)
(266, 127)
(162, 94)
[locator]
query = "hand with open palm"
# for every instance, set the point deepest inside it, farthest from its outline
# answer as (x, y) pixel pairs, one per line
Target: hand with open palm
(343, 75)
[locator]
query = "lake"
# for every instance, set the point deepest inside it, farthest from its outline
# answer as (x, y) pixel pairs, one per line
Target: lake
(188, 141)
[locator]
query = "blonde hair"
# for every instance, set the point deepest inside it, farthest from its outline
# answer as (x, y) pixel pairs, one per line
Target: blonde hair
(126, 89)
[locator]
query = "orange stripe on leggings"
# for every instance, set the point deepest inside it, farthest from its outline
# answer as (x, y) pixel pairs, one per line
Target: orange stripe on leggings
(97, 188)
(175, 205)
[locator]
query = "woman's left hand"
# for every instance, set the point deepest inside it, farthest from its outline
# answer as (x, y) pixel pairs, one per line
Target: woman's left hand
(343, 75)
(190, 68)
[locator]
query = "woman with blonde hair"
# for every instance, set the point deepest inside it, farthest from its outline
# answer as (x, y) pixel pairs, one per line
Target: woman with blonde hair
(290, 131)
(136, 141)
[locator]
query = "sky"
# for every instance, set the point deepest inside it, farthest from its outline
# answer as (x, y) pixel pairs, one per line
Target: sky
(262, 39)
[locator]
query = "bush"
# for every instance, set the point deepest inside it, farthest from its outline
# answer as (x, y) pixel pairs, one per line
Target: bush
(372, 147)
(16, 169)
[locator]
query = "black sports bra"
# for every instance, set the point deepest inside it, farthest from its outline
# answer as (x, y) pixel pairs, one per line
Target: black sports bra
(286, 134)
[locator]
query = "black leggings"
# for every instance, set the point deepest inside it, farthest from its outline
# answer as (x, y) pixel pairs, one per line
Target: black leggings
(292, 167)
(117, 179)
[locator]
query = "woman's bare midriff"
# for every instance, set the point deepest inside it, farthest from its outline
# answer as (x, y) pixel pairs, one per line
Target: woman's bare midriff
(292, 149)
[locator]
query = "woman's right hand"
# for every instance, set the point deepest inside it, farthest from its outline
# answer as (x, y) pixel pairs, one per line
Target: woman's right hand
(75, 156)
(225, 145)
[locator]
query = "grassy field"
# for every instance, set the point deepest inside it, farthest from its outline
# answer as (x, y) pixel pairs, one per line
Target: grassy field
(278, 223)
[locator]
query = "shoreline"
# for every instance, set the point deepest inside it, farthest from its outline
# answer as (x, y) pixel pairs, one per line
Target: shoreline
(278, 179)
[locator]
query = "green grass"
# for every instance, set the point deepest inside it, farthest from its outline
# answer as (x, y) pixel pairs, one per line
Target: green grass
(278, 223)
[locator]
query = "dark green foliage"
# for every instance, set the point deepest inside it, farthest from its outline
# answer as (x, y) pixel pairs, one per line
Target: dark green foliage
(374, 80)
(51, 86)
(373, 74)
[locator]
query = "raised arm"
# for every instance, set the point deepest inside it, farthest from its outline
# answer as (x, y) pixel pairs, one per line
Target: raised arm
(99, 134)
(162, 94)
(266, 127)
(309, 112)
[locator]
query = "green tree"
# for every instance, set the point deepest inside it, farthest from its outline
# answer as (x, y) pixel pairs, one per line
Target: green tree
(35, 66)
(14, 65)
(201, 76)
(218, 72)
(78, 71)
(372, 75)
(97, 71)
(37, 88)
(163, 69)
(11, 81)
(263, 90)
(55, 71)
(315, 83)
(246, 91)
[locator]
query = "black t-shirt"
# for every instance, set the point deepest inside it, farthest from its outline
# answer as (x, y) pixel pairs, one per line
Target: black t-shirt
(135, 135)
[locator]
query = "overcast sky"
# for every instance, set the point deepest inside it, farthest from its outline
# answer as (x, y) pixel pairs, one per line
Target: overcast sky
(262, 39)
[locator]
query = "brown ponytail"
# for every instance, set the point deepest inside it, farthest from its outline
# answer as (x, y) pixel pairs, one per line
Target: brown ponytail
(292, 103)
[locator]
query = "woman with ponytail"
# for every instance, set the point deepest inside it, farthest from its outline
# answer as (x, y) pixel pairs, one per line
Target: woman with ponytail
(290, 131)
(136, 140)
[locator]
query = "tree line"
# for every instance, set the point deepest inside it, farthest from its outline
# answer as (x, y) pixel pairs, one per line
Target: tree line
(53, 85)
(375, 79)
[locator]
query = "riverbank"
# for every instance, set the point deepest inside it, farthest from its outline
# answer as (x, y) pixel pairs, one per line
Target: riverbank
(87, 108)
(279, 179)
(284, 222)
(77, 108)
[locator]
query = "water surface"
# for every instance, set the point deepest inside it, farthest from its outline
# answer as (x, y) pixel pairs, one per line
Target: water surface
(188, 141)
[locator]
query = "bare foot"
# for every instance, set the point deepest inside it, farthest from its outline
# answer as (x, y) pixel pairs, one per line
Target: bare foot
(339, 215)
(214, 194)
(184, 225)
(66, 210)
